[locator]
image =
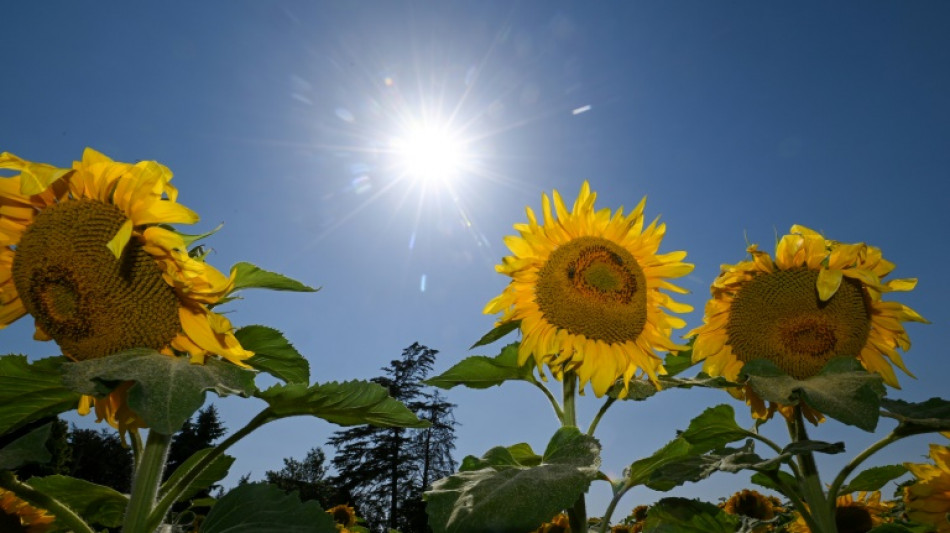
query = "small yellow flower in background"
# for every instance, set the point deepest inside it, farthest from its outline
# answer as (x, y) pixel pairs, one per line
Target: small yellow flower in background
(752, 504)
(558, 524)
(586, 287)
(87, 252)
(853, 514)
(343, 515)
(928, 499)
(17, 516)
(818, 299)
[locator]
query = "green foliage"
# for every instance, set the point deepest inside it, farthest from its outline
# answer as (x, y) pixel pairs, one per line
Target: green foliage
(348, 404)
(100, 457)
(168, 390)
(488, 494)
(29, 448)
(274, 354)
(262, 508)
(713, 428)
(678, 362)
(481, 372)
(308, 478)
(497, 333)
(247, 276)
(680, 515)
(843, 390)
(874, 478)
(915, 418)
(31, 391)
(695, 467)
(214, 472)
(95, 503)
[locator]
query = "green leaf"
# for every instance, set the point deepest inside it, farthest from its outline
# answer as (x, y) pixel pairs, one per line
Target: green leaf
(640, 471)
(349, 403)
(680, 515)
(481, 372)
(714, 428)
(677, 362)
(874, 478)
(843, 390)
(212, 474)
(497, 332)
(493, 498)
(698, 467)
(809, 446)
(701, 380)
(247, 276)
(191, 239)
(96, 504)
(914, 418)
(768, 480)
(30, 392)
(637, 390)
(901, 528)
(261, 508)
(273, 354)
(168, 390)
(30, 448)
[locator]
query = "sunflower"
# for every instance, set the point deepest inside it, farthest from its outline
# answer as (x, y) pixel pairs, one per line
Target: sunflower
(818, 299)
(586, 288)
(343, 515)
(18, 516)
(928, 498)
(752, 504)
(853, 514)
(87, 252)
(558, 524)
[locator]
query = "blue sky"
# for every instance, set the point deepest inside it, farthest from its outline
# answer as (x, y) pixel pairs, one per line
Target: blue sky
(735, 119)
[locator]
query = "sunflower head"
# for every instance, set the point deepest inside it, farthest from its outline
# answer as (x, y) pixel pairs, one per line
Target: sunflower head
(853, 514)
(816, 300)
(343, 515)
(586, 287)
(927, 499)
(752, 504)
(88, 253)
(558, 524)
(18, 516)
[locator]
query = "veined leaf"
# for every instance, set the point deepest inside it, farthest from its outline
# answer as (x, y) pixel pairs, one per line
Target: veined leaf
(926, 417)
(31, 391)
(216, 471)
(348, 404)
(681, 515)
(29, 448)
(274, 354)
(261, 508)
(96, 504)
(874, 478)
(497, 332)
(480, 372)
(247, 276)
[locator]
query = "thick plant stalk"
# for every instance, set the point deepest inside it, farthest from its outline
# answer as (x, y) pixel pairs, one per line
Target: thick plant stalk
(148, 476)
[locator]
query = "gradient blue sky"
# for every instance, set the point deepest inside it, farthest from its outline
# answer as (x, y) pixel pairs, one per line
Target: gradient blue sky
(736, 119)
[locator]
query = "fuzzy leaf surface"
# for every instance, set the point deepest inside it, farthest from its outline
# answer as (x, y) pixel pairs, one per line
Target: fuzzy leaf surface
(95, 503)
(349, 403)
(914, 418)
(682, 515)
(262, 508)
(274, 354)
(167, 390)
(31, 391)
(491, 496)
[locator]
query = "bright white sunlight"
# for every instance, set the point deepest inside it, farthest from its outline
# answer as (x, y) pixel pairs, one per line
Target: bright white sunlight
(429, 153)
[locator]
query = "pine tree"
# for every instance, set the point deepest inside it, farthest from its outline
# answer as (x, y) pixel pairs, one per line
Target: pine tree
(309, 478)
(387, 469)
(194, 436)
(100, 457)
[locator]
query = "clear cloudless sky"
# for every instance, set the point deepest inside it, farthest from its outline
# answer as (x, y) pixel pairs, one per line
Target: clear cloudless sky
(736, 120)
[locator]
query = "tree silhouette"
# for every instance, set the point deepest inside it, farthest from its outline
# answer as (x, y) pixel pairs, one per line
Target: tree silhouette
(309, 478)
(387, 469)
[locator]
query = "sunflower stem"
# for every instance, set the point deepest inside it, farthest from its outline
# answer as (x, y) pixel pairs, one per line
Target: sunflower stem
(858, 459)
(170, 494)
(577, 514)
(605, 523)
(148, 475)
(603, 409)
(557, 408)
(64, 515)
(821, 510)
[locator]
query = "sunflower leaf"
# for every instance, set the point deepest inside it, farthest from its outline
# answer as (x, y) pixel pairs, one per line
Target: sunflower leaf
(191, 239)
(873, 478)
(97, 504)
(682, 515)
(31, 391)
(167, 390)
(677, 362)
(262, 508)
(914, 418)
(247, 276)
(843, 390)
(698, 467)
(809, 446)
(213, 473)
(29, 448)
(274, 354)
(777, 480)
(714, 428)
(349, 403)
(491, 498)
(481, 372)
(496, 333)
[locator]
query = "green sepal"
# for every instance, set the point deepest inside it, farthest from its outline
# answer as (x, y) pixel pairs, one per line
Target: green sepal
(481, 372)
(873, 478)
(681, 515)
(31, 391)
(168, 390)
(273, 354)
(247, 276)
(930, 416)
(492, 498)
(214, 472)
(349, 403)
(26, 449)
(96, 504)
(843, 390)
(262, 508)
(497, 332)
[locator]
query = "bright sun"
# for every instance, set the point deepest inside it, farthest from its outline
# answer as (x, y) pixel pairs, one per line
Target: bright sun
(429, 154)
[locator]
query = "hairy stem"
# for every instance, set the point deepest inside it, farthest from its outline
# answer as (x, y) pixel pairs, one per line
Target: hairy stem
(577, 514)
(821, 510)
(148, 474)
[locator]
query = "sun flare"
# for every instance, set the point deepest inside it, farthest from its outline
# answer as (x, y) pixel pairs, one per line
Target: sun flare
(429, 153)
